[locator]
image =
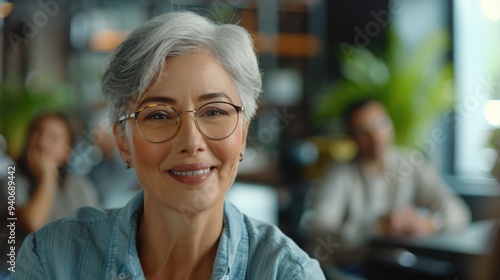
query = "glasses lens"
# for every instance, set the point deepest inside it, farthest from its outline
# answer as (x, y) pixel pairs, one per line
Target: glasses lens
(217, 120)
(158, 123)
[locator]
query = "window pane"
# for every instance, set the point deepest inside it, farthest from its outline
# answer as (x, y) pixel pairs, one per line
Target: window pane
(477, 41)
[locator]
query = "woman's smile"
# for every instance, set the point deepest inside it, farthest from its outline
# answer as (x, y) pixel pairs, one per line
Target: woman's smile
(191, 174)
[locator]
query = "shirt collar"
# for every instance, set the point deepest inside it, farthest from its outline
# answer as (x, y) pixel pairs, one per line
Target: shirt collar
(123, 261)
(232, 252)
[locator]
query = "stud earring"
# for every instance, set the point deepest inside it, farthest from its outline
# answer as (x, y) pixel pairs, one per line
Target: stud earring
(241, 157)
(127, 164)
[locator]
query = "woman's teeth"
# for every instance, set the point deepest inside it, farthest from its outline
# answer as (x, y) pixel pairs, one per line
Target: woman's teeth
(191, 173)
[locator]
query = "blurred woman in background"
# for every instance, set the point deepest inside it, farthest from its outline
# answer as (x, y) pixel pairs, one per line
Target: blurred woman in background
(45, 191)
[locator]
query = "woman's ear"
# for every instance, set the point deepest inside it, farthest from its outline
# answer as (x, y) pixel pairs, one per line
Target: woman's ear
(246, 125)
(121, 142)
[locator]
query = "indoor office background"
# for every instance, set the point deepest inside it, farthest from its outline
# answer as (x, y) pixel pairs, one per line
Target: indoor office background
(434, 63)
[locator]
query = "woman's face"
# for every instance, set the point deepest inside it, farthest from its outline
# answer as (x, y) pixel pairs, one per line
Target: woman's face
(51, 138)
(188, 173)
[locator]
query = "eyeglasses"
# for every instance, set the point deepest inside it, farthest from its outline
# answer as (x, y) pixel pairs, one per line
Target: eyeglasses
(159, 123)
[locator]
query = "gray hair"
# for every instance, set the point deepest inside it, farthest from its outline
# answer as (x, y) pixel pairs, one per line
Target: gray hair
(135, 63)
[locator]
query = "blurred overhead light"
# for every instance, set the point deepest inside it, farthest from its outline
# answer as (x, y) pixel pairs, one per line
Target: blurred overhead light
(491, 9)
(106, 39)
(5, 9)
(492, 112)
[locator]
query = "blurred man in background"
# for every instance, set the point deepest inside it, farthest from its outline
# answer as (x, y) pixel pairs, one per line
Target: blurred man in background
(382, 191)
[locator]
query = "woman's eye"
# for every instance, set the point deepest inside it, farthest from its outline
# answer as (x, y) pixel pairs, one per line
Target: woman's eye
(213, 112)
(159, 116)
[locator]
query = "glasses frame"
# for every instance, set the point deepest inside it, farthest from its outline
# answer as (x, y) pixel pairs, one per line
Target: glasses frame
(135, 115)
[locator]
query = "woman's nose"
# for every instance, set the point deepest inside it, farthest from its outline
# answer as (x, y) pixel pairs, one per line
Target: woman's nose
(189, 139)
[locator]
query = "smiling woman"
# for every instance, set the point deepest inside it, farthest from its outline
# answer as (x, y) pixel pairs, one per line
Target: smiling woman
(182, 92)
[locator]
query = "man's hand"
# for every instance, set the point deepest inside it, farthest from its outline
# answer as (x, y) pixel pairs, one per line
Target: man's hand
(406, 221)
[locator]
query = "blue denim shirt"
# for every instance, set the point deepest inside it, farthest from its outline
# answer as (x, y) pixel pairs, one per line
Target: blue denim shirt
(95, 244)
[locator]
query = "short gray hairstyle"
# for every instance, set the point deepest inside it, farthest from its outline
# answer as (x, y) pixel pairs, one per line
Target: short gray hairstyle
(135, 63)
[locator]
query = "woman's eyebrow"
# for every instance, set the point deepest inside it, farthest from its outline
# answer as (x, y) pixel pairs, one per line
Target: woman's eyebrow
(213, 95)
(157, 99)
(169, 100)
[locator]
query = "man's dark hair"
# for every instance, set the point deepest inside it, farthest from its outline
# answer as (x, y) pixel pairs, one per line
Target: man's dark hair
(352, 109)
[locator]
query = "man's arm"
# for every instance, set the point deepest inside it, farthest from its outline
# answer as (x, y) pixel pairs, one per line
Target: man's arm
(448, 211)
(326, 205)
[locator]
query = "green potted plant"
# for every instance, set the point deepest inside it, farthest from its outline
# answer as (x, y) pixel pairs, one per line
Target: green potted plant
(414, 85)
(21, 99)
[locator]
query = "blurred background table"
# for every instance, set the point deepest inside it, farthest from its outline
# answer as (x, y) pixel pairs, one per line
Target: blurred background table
(450, 255)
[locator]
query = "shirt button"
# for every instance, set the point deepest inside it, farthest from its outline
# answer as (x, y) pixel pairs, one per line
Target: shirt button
(225, 277)
(121, 276)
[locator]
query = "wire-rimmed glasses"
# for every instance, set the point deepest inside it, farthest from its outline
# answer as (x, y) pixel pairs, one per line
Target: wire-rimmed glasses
(159, 122)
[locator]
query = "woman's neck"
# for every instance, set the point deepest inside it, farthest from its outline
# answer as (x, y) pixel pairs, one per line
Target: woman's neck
(177, 245)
